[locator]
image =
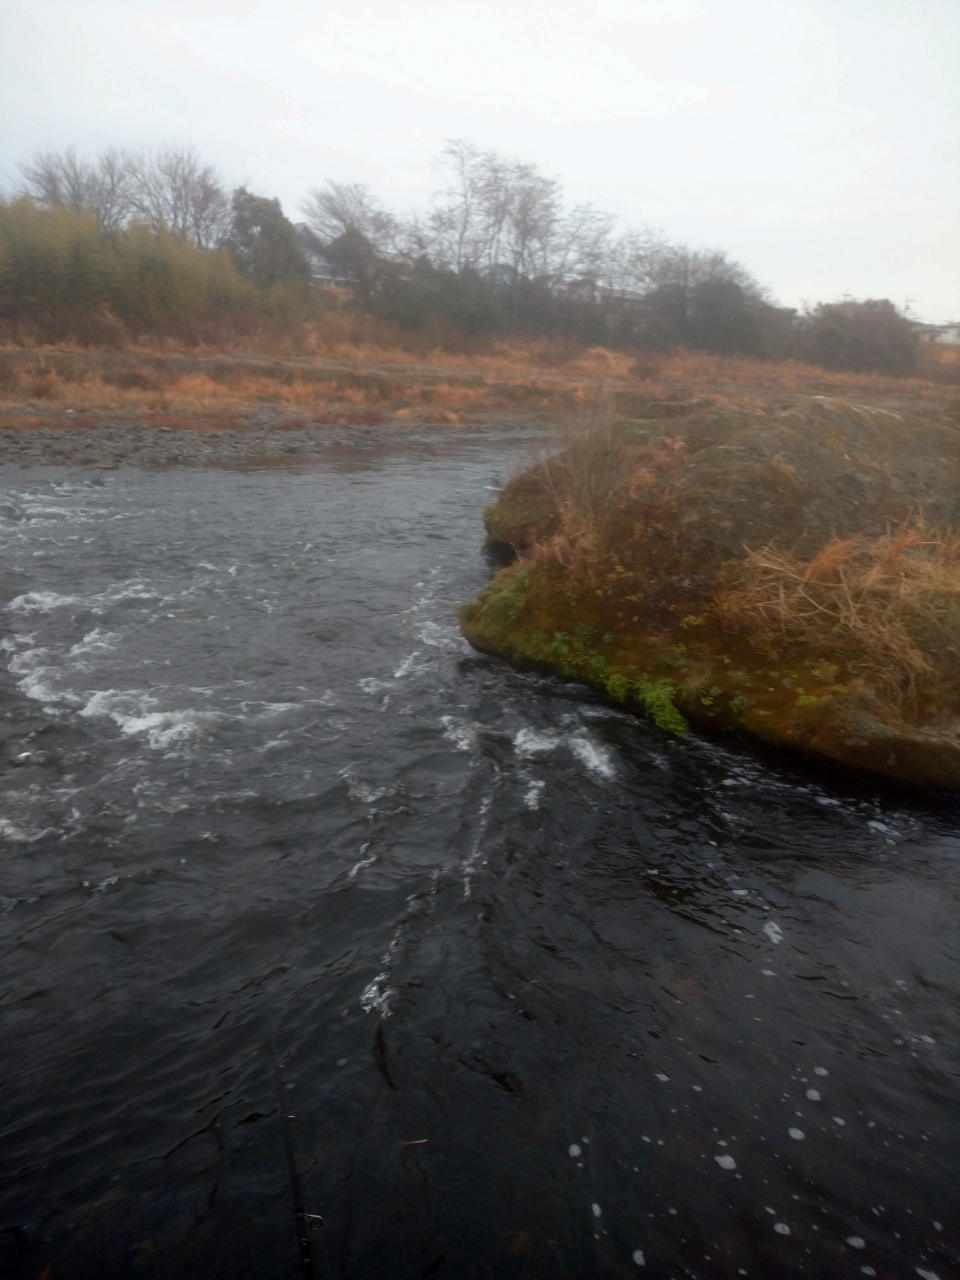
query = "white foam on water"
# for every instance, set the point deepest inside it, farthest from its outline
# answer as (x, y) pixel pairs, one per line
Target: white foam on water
(459, 732)
(638, 1258)
(409, 666)
(377, 995)
(39, 678)
(820, 1071)
(369, 684)
(470, 862)
(574, 1151)
(596, 1210)
(364, 862)
(856, 1242)
(131, 711)
(365, 792)
(436, 636)
(773, 931)
(726, 1162)
(10, 644)
(781, 1228)
(368, 794)
(927, 1275)
(797, 1134)
(813, 1095)
(531, 797)
(96, 641)
(528, 742)
(40, 602)
(8, 831)
(594, 758)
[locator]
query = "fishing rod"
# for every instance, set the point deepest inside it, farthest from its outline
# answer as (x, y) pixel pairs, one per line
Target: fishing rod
(305, 1221)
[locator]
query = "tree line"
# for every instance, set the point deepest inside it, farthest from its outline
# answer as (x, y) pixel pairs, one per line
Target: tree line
(149, 236)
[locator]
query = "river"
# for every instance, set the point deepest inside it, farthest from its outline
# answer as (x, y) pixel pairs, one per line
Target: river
(552, 993)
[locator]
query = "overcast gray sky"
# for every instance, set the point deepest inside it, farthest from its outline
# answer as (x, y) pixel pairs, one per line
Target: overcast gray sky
(818, 141)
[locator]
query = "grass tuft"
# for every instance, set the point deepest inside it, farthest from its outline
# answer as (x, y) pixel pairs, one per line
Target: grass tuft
(890, 607)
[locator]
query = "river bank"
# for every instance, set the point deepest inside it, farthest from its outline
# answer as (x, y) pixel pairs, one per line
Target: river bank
(260, 439)
(65, 406)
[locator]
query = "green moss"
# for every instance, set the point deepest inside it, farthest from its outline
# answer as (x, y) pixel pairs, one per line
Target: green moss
(656, 698)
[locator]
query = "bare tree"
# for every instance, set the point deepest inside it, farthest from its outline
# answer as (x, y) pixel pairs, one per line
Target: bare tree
(582, 249)
(458, 228)
(495, 215)
(338, 208)
(102, 185)
(171, 189)
(687, 268)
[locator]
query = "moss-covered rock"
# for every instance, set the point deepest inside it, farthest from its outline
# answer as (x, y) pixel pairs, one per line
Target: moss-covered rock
(632, 543)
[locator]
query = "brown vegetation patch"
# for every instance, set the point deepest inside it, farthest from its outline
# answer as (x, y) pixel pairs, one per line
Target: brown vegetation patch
(889, 607)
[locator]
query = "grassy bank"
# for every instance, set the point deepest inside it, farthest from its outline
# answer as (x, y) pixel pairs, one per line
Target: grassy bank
(792, 573)
(344, 370)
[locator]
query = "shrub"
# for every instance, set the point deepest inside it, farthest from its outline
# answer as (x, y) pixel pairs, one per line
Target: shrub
(63, 276)
(870, 336)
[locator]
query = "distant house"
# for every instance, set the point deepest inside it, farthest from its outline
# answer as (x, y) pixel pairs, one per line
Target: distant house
(946, 333)
(322, 270)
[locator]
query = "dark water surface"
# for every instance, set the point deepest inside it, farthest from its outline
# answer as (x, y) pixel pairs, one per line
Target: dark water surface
(554, 994)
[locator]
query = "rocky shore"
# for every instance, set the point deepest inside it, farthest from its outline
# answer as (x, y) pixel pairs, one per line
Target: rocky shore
(257, 441)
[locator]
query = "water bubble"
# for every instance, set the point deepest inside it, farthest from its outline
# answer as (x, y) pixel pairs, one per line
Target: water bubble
(574, 1150)
(726, 1162)
(781, 1228)
(820, 1071)
(661, 1076)
(837, 1120)
(797, 1134)
(638, 1258)
(856, 1242)
(813, 1095)
(596, 1210)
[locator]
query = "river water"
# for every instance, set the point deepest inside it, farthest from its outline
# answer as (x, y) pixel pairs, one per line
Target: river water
(553, 993)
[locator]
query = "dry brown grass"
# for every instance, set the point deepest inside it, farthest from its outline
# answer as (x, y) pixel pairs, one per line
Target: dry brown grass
(590, 480)
(351, 363)
(890, 607)
(583, 481)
